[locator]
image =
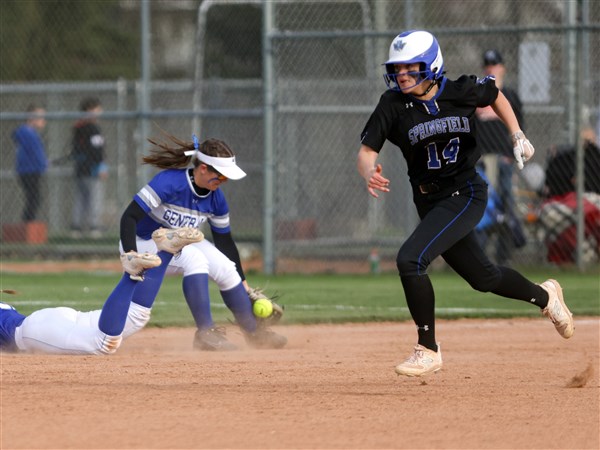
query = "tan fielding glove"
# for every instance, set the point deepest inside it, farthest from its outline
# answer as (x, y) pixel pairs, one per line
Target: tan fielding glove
(257, 294)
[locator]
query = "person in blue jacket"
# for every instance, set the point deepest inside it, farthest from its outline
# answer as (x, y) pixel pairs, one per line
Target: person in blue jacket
(31, 161)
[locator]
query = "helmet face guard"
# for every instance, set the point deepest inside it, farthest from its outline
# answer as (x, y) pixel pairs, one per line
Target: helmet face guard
(414, 47)
(391, 78)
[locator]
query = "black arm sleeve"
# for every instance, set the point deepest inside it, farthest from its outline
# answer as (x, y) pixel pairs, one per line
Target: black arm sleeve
(225, 244)
(132, 215)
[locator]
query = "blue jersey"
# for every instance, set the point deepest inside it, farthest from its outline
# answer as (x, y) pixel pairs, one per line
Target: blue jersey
(170, 201)
(10, 319)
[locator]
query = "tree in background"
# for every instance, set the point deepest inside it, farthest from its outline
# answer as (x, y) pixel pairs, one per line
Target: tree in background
(45, 40)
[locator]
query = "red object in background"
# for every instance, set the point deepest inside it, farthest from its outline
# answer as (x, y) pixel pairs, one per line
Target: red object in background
(562, 247)
(29, 232)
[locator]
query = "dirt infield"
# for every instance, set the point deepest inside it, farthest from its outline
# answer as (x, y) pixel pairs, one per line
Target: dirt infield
(284, 265)
(505, 384)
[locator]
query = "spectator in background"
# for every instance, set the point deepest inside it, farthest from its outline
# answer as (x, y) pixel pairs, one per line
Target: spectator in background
(558, 213)
(493, 139)
(561, 169)
(90, 170)
(31, 162)
(598, 128)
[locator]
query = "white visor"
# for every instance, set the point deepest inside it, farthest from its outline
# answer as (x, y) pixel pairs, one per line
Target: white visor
(225, 166)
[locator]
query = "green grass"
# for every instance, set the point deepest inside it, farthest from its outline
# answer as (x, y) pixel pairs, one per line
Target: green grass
(307, 298)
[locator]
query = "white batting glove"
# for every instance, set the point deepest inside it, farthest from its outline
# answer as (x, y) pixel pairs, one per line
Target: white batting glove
(522, 148)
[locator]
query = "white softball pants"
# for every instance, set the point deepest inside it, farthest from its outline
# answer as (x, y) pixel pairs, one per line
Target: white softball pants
(201, 257)
(66, 331)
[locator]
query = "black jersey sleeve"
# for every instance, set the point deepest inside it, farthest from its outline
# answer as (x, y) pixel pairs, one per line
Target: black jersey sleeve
(472, 91)
(226, 245)
(486, 90)
(377, 129)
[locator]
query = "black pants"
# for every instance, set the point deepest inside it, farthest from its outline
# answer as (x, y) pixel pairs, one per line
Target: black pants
(30, 183)
(447, 227)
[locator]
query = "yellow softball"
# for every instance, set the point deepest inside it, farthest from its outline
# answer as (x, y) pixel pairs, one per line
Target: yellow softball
(262, 308)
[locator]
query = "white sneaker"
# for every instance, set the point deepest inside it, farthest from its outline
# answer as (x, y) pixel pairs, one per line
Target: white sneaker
(136, 263)
(422, 362)
(557, 310)
(173, 240)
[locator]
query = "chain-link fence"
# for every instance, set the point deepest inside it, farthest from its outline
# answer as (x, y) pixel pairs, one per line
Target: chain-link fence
(289, 85)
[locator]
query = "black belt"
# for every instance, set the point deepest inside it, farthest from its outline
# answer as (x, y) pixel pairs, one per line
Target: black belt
(441, 184)
(429, 188)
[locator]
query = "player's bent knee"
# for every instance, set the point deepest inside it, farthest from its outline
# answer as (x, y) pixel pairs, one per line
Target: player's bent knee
(226, 277)
(408, 266)
(485, 284)
(137, 318)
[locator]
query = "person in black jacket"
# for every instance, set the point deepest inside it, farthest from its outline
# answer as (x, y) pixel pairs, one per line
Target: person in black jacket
(90, 170)
(494, 139)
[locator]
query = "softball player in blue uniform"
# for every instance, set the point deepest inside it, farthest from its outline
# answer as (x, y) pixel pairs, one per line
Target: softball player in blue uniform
(65, 330)
(184, 195)
(431, 119)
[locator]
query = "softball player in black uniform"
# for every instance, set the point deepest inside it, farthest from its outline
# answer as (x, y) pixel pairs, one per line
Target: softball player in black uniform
(431, 119)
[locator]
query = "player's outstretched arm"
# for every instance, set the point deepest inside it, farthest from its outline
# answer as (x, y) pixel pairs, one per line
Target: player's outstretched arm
(371, 172)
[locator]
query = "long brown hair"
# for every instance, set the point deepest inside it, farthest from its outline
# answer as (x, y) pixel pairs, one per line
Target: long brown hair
(166, 156)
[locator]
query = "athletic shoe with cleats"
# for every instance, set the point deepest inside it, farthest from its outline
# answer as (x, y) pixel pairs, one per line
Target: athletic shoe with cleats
(557, 310)
(173, 240)
(265, 339)
(422, 362)
(213, 339)
(136, 263)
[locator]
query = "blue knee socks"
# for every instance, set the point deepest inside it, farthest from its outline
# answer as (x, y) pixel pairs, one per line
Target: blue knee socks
(195, 291)
(115, 309)
(114, 312)
(146, 291)
(238, 302)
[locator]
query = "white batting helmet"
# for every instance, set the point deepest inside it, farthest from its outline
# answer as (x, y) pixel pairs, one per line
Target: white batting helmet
(414, 47)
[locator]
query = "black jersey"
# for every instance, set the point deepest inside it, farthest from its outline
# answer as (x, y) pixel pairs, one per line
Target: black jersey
(437, 136)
